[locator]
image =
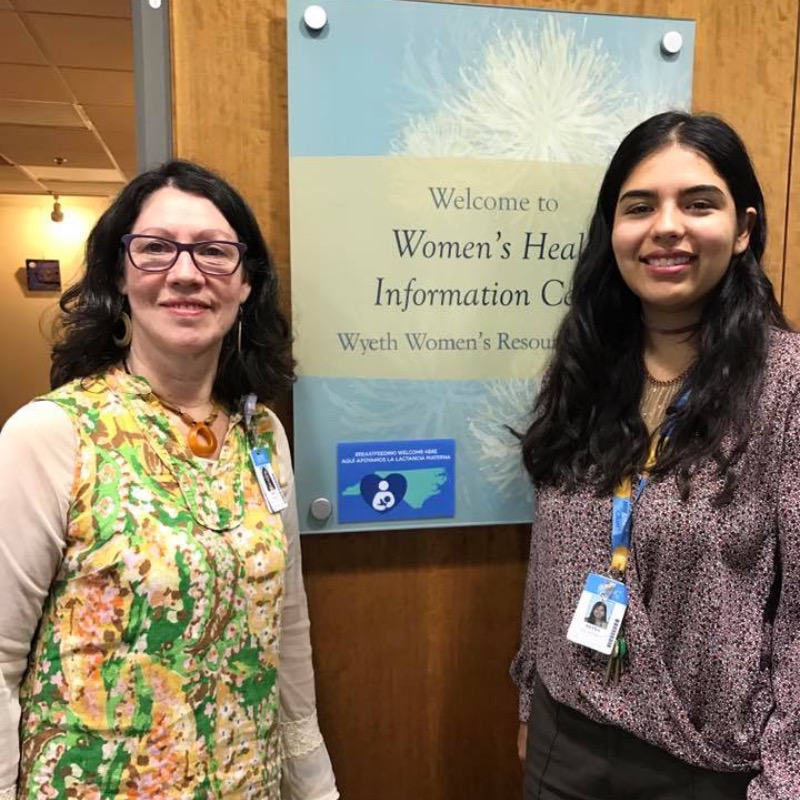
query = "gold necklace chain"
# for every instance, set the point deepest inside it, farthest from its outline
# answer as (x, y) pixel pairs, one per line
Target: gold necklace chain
(672, 381)
(657, 397)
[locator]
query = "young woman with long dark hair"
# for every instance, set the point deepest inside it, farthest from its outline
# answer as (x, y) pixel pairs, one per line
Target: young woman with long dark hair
(664, 448)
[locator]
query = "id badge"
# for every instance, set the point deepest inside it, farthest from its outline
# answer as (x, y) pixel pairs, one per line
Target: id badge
(598, 617)
(267, 481)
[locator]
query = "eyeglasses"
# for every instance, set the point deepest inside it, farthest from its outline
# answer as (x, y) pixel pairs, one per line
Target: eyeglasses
(155, 254)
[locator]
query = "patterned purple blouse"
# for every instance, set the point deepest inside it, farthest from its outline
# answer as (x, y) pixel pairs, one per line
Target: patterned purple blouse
(713, 623)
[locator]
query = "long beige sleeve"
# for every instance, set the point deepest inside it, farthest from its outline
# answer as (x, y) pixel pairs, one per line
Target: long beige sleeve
(307, 771)
(38, 449)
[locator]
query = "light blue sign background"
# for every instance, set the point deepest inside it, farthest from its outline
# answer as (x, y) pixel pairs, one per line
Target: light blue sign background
(380, 63)
(413, 79)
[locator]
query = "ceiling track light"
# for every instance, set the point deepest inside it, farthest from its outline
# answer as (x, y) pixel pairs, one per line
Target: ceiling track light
(57, 215)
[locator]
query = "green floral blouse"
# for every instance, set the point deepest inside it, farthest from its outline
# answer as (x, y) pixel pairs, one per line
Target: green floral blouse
(154, 671)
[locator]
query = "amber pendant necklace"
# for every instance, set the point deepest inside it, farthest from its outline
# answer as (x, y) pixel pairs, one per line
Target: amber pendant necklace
(201, 439)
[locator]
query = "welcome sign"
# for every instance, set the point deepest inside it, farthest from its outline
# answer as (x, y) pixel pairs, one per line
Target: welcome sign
(444, 160)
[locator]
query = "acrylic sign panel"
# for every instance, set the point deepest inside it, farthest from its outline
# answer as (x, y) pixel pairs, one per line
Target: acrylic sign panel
(444, 161)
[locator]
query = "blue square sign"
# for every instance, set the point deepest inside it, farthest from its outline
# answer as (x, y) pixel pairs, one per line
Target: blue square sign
(386, 481)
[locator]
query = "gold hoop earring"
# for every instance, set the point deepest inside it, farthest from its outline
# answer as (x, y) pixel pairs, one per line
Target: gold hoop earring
(124, 340)
(239, 334)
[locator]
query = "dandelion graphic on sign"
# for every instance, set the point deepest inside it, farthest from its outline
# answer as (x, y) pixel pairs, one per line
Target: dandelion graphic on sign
(546, 94)
(504, 408)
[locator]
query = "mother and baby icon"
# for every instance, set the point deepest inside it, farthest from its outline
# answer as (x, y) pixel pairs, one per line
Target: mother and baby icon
(384, 498)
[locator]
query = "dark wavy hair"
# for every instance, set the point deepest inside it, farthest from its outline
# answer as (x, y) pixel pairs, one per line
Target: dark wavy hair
(586, 424)
(91, 307)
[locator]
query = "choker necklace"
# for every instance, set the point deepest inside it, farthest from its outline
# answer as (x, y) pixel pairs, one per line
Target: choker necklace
(201, 439)
(695, 326)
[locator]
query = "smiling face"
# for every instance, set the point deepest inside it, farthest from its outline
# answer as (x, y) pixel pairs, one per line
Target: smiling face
(675, 232)
(181, 311)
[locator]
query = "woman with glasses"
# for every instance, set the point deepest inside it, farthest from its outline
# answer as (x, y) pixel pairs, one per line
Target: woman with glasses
(154, 636)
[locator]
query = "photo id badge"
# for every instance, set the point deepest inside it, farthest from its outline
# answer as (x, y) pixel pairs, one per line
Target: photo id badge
(270, 488)
(598, 617)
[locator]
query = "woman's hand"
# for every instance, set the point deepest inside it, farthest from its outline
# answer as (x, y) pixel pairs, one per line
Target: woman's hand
(522, 741)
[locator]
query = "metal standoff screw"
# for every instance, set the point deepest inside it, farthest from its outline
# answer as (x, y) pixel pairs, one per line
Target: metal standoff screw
(315, 18)
(671, 43)
(321, 508)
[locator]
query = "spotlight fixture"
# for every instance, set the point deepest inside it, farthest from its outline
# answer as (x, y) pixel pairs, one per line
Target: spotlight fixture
(57, 215)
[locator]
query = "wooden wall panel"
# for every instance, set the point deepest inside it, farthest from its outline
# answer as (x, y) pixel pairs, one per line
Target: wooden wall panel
(230, 102)
(791, 271)
(413, 631)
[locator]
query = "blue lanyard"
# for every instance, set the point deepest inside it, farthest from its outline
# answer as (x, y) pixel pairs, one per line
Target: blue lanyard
(622, 512)
(625, 497)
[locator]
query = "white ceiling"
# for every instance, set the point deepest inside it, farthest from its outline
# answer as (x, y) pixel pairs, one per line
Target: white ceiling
(66, 92)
